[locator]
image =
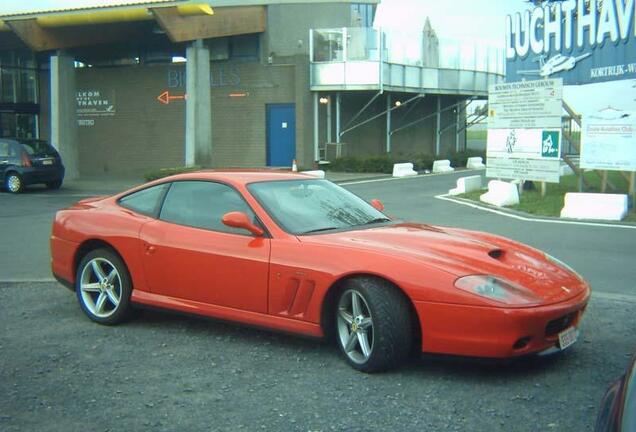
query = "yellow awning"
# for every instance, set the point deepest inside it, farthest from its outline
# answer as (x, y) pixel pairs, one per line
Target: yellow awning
(111, 15)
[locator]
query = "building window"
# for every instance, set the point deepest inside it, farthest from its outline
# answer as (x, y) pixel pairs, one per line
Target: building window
(245, 47)
(362, 14)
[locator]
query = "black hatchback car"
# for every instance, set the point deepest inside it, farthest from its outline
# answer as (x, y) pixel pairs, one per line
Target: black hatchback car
(25, 161)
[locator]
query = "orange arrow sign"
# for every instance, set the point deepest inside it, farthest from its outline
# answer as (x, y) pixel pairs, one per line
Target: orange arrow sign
(166, 97)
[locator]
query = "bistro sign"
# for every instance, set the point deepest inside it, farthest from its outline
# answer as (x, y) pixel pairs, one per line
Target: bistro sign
(580, 41)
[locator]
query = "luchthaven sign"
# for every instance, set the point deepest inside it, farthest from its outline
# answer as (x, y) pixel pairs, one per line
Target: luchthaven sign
(583, 41)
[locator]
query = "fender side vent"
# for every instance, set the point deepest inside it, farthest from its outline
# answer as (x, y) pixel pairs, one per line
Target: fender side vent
(496, 253)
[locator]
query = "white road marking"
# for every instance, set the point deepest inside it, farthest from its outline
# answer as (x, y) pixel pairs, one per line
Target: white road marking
(419, 176)
(446, 197)
(27, 280)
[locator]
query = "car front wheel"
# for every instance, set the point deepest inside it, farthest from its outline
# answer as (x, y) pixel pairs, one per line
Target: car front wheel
(373, 325)
(103, 287)
(13, 183)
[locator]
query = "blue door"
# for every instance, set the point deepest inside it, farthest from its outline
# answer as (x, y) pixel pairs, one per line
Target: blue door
(281, 134)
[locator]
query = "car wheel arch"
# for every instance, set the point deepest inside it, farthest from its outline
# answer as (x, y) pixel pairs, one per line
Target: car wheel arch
(331, 297)
(90, 245)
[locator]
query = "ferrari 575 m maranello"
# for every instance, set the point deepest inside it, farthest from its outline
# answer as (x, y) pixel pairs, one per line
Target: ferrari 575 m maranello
(298, 254)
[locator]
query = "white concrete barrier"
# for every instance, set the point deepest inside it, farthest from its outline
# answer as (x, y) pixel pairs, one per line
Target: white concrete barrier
(475, 163)
(501, 193)
(594, 206)
(442, 166)
(403, 170)
(566, 169)
(466, 184)
(315, 173)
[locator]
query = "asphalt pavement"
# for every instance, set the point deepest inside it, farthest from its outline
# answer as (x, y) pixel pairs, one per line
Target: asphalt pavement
(164, 372)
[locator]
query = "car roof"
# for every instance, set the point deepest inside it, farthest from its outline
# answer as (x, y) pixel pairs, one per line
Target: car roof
(241, 176)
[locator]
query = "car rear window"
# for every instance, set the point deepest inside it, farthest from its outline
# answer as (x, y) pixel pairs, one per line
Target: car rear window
(34, 148)
(145, 201)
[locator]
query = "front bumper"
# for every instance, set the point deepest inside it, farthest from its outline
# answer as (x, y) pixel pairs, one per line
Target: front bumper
(495, 332)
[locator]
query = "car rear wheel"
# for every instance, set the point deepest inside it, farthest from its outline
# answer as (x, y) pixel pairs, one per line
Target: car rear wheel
(103, 287)
(13, 182)
(54, 184)
(373, 325)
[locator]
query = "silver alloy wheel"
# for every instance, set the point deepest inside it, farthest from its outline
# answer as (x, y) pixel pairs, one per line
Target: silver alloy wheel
(355, 326)
(14, 183)
(100, 287)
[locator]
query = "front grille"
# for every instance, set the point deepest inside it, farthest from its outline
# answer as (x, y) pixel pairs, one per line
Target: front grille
(558, 325)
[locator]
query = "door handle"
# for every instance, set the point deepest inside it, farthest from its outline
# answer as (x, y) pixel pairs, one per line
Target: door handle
(150, 249)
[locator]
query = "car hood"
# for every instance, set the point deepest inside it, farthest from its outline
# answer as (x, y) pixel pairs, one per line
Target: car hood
(461, 253)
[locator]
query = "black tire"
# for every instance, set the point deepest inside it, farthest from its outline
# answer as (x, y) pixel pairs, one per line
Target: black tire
(56, 184)
(388, 330)
(13, 182)
(91, 287)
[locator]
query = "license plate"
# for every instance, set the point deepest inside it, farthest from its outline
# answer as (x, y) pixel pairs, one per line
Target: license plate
(568, 337)
(47, 162)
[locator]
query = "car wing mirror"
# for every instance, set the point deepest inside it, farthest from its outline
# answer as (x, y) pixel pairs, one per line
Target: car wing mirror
(377, 204)
(238, 219)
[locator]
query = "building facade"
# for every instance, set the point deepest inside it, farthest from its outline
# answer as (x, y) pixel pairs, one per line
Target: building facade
(121, 90)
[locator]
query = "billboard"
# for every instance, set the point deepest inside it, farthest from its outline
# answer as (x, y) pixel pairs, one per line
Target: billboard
(608, 141)
(582, 41)
(524, 130)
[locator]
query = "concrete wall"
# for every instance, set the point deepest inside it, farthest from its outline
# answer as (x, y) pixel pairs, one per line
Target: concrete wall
(140, 133)
(288, 25)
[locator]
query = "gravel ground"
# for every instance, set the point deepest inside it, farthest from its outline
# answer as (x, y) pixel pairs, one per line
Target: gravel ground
(164, 372)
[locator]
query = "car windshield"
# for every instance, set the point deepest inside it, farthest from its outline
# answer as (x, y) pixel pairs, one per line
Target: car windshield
(312, 206)
(37, 147)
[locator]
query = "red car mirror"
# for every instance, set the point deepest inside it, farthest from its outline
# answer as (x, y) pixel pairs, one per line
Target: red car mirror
(238, 219)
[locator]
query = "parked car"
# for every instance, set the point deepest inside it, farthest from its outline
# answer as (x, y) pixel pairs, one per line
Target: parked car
(618, 408)
(294, 253)
(25, 162)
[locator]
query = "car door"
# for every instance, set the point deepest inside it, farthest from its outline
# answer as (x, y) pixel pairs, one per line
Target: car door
(188, 253)
(4, 158)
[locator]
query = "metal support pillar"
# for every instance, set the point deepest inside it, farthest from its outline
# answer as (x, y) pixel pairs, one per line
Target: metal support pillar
(329, 119)
(198, 149)
(457, 119)
(438, 125)
(388, 122)
(63, 112)
(338, 117)
(316, 138)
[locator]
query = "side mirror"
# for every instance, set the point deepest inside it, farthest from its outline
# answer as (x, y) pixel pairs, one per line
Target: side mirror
(238, 219)
(377, 204)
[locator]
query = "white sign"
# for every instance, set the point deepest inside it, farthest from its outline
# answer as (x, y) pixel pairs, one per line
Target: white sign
(529, 154)
(608, 141)
(524, 130)
(525, 104)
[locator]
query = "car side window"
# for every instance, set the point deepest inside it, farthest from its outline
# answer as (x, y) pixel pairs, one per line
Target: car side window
(145, 201)
(202, 204)
(4, 149)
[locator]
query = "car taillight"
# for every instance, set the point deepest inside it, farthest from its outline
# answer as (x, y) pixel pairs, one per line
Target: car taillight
(26, 160)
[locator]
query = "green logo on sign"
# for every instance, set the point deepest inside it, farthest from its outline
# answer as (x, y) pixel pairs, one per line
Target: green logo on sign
(550, 143)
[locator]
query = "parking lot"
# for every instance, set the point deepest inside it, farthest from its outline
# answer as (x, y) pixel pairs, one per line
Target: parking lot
(166, 372)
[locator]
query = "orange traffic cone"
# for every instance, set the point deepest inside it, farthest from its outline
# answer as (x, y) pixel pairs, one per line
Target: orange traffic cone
(294, 166)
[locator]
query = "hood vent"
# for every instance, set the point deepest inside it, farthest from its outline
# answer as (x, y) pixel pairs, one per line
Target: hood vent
(496, 253)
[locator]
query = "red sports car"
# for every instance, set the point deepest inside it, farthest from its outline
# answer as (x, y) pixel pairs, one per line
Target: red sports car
(294, 253)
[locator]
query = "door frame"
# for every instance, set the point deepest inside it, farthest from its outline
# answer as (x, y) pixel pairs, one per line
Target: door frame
(268, 107)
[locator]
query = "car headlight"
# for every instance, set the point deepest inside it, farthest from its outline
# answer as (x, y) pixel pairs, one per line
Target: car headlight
(560, 263)
(497, 289)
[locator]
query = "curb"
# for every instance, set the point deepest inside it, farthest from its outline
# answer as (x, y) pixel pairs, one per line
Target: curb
(530, 217)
